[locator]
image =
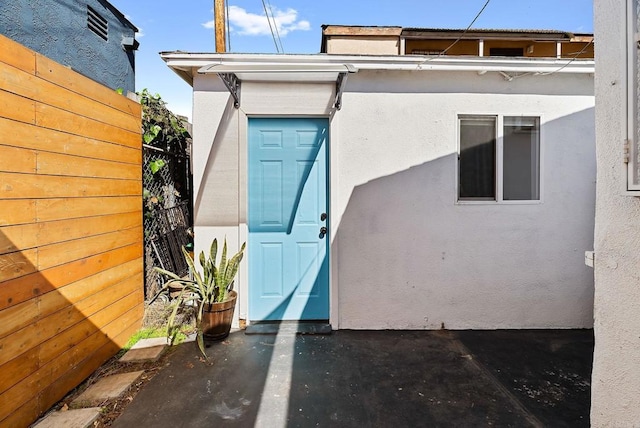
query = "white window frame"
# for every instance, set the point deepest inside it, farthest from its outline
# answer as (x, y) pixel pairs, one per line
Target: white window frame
(499, 183)
(631, 143)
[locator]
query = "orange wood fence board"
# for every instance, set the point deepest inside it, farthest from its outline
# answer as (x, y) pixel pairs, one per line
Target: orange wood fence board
(18, 317)
(18, 134)
(69, 208)
(17, 211)
(17, 108)
(112, 295)
(25, 415)
(84, 369)
(56, 369)
(106, 321)
(32, 335)
(17, 55)
(19, 237)
(18, 395)
(96, 286)
(31, 235)
(17, 159)
(19, 368)
(26, 186)
(66, 230)
(61, 120)
(27, 287)
(34, 88)
(58, 164)
(71, 250)
(65, 252)
(96, 289)
(17, 264)
(19, 342)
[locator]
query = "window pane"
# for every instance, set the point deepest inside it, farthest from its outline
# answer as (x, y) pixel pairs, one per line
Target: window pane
(477, 164)
(521, 171)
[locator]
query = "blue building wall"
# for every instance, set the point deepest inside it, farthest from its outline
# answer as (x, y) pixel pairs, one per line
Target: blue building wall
(58, 29)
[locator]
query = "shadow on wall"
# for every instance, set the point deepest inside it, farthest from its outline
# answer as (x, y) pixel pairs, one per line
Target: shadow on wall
(410, 257)
(214, 149)
(59, 324)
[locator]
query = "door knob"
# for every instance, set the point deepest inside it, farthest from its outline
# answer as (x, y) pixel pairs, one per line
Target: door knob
(323, 216)
(323, 231)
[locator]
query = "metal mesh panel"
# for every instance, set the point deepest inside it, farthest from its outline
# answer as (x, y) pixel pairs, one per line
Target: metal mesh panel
(167, 214)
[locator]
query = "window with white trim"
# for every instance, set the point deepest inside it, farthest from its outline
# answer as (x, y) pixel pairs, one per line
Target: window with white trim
(498, 158)
(632, 144)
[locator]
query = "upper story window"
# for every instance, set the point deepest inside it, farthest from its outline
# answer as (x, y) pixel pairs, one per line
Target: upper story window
(499, 158)
(97, 24)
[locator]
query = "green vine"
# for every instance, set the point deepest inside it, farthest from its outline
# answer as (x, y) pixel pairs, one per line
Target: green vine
(160, 127)
(164, 130)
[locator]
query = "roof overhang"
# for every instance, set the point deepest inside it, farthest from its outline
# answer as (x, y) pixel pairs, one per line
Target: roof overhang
(233, 74)
(327, 68)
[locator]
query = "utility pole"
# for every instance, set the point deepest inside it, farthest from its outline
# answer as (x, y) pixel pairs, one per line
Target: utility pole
(220, 22)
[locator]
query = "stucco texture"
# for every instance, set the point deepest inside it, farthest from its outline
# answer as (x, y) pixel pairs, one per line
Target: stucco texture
(411, 257)
(58, 30)
(404, 253)
(616, 373)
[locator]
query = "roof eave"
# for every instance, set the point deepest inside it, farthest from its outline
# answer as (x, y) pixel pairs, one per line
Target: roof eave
(187, 64)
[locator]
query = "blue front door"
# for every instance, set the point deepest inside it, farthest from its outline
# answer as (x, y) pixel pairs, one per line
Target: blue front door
(288, 236)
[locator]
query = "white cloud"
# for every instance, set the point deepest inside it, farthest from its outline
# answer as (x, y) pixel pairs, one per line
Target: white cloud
(252, 24)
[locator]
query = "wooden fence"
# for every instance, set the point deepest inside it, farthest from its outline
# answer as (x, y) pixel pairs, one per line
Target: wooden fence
(71, 266)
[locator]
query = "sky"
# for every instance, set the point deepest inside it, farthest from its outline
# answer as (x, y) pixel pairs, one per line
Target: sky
(166, 25)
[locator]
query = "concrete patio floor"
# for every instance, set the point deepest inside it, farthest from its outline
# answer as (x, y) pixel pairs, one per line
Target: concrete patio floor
(514, 378)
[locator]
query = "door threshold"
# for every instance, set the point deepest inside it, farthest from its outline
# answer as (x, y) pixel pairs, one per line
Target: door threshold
(289, 327)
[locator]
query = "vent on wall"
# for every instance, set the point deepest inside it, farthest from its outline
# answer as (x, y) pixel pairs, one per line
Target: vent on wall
(97, 23)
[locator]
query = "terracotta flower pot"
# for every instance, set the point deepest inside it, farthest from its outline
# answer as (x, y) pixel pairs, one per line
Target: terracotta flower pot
(216, 320)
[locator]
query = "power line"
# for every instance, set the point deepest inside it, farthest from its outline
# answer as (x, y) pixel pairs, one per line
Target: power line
(570, 61)
(548, 73)
(461, 35)
(266, 12)
(275, 24)
(466, 29)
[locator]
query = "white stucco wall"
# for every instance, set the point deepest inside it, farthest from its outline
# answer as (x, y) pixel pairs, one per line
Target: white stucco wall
(410, 257)
(404, 254)
(616, 370)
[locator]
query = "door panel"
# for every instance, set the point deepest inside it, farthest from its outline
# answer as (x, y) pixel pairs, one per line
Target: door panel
(288, 193)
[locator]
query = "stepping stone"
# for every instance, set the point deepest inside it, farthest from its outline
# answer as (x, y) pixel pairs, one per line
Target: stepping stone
(145, 350)
(80, 418)
(105, 389)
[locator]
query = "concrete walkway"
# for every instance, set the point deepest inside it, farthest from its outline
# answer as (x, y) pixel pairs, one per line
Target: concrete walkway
(374, 379)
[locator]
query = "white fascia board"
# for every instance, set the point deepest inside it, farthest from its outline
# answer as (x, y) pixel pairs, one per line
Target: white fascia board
(182, 62)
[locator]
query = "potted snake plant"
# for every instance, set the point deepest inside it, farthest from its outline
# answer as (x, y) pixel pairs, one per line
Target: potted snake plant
(210, 289)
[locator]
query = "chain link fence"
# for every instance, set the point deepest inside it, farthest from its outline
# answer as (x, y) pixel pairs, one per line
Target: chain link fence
(167, 214)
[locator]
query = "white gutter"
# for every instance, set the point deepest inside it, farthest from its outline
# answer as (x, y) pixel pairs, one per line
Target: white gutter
(187, 64)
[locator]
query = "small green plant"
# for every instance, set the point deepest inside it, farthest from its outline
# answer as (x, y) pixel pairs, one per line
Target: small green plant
(211, 285)
(152, 332)
(156, 165)
(160, 127)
